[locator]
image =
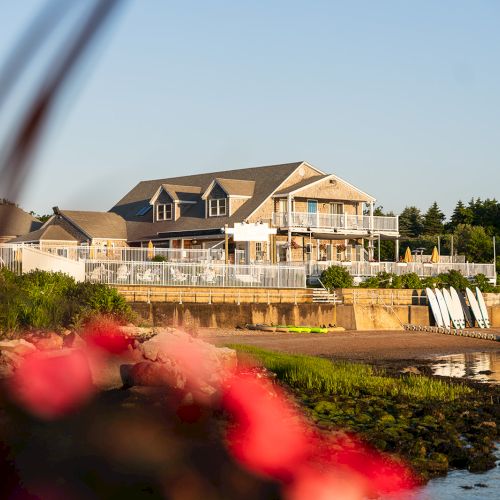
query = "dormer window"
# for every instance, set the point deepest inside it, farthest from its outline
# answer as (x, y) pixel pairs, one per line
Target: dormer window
(164, 211)
(217, 207)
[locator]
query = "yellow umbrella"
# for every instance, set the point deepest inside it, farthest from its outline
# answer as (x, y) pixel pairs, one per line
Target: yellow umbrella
(408, 257)
(92, 252)
(151, 251)
(435, 256)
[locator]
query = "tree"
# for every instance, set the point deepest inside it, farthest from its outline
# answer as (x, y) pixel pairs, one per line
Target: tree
(461, 215)
(411, 222)
(474, 243)
(336, 277)
(433, 220)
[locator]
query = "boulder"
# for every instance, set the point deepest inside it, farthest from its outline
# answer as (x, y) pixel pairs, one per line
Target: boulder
(47, 342)
(151, 374)
(17, 346)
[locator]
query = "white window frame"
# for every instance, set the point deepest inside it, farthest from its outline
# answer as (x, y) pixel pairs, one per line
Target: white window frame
(164, 206)
(216, 209)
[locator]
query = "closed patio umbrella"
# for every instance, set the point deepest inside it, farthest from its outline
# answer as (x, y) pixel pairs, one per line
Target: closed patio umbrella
(408, 257)
(435, 256)
(151, 250)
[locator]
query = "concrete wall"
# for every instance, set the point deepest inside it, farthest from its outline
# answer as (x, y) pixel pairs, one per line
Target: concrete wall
(232, 315)
(33, 259)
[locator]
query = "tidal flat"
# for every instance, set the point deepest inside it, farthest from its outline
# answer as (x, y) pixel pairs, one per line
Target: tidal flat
(436, 424)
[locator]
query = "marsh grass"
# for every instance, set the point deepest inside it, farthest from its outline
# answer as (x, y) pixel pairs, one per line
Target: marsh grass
(314, 374)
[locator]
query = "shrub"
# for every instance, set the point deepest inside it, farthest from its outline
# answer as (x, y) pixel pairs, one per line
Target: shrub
(453, 278)
(336, 277)
(482, 282)
(46, 300)
(411, 281)
(159, 258)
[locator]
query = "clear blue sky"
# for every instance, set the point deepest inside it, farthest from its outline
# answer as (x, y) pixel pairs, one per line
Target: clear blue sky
(400, 98)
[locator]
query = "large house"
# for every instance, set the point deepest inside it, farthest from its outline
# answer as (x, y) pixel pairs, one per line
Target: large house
(318, 216)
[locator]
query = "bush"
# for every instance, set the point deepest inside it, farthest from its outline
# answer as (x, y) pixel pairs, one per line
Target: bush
(45, 300)
(159, 258)
(336, 277)
(482, 282)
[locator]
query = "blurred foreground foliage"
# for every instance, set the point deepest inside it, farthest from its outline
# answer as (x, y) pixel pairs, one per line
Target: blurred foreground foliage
(45, 300)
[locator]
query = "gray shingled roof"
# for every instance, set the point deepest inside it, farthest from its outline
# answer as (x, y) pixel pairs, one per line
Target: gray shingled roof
(14, 221)
(51, 232)
(177, 192)
(300, 184)
(105, 225)
(266, 180)
(236, 187)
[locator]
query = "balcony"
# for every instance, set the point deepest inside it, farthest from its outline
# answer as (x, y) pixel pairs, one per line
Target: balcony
(340, 223)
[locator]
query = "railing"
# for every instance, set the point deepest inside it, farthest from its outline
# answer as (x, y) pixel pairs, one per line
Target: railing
(84, 252)
(342, 222)
(11, 258)
(366, 269)
(194, 274)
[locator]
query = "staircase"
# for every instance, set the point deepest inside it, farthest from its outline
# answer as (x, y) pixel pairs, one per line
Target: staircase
(321, 295)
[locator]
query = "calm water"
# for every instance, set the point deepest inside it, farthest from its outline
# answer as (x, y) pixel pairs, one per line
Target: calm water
(459, 485)
(483, 367)
(480, 366)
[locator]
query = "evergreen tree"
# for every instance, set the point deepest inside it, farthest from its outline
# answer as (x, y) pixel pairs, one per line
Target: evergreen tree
(461, 215)
(434, 220)
(411, 222)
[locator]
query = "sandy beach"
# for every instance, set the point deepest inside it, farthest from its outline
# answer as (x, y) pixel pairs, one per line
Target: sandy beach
(355, 345)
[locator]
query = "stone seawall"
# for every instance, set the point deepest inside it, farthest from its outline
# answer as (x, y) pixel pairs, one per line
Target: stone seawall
(349, 316)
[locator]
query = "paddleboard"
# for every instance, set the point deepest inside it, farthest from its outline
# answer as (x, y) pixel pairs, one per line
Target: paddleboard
(476, 311)
(434, 307)
(482, 306)
(451, 308)
(442, 306)
(466, 309)
(458, 307)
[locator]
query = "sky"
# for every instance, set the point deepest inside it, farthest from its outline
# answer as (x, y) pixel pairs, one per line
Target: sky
(401, 99)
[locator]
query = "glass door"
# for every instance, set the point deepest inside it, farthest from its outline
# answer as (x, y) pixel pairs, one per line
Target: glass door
(312, 211)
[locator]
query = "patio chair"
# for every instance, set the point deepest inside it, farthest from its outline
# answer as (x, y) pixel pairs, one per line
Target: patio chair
(96, 275)
(147, 276)
(178, 276)
(209, 276)
(122, 273)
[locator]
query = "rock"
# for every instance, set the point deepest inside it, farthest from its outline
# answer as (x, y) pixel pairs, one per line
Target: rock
(75, 340)
(18, 346)
(411, 369)
(48, 342)
(148, 373)
(12, 358)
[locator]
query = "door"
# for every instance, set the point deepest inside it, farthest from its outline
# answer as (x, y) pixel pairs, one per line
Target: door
(312, 211)
(337, 214)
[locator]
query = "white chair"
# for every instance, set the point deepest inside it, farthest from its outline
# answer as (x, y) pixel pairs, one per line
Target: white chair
(122, 273)
(178, 276)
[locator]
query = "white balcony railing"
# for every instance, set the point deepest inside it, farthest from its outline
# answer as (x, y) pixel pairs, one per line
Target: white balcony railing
(342, 222)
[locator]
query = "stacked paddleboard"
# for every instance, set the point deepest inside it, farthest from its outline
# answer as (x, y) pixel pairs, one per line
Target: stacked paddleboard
(450, 309)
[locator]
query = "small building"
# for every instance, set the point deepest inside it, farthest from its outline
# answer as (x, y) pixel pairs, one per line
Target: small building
(67, 228)
(15, 222)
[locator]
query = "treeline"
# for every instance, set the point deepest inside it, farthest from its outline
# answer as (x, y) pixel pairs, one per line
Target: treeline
(468, 232)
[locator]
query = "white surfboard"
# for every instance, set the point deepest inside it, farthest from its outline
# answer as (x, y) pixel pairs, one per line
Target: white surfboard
(482, 306)
(466, 309)
(458, 307)
(451, 308)
(433, 303)
(442, 306)
(476, 312)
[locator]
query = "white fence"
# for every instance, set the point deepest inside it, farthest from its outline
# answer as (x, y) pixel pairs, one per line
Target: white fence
(366, 269)
(194, 274)
(11, 258)
(336, 221)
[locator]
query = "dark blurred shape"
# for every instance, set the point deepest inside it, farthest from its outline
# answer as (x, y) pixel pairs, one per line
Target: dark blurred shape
(24, 136)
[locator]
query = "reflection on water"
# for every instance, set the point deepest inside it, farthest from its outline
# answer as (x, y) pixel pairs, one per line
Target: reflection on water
(459, 484)
(480, 366)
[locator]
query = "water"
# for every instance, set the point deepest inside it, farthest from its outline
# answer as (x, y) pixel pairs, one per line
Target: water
(479, 366)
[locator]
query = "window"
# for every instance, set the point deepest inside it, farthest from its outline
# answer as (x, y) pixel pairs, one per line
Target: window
(144, 210)
(164, 211)
(336, 208)
(312, 206)
(217, 207)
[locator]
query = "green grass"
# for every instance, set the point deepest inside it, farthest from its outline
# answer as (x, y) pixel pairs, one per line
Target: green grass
(314, 374)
